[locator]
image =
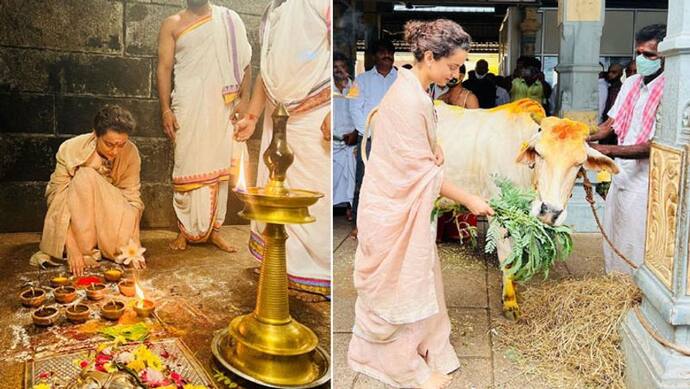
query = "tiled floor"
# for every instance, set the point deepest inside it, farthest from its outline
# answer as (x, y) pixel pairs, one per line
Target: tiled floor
(472, 287)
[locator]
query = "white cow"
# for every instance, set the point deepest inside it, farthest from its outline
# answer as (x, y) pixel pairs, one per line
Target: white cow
(516, 141)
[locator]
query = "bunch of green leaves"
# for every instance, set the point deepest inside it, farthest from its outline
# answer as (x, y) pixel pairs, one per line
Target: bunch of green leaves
(535, 246)
(442, 206)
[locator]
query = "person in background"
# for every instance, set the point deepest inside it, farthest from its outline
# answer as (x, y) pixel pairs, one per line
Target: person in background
(526, 85)
(372, 85)
(602, 94)
(631, 68)
(502, 95)
(483, 85)
(458, 95)
(633, 119)
(344, 136)
(614, 76)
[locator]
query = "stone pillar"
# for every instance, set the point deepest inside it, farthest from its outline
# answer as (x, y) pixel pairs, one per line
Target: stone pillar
(664, 315)
(580, 24)
(528, 27)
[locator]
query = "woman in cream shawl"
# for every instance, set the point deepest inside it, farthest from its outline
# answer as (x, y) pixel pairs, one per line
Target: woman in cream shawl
(94, 197)
(401, 332)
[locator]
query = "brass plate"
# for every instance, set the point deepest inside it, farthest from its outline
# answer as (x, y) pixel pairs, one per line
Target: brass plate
(63, 369)
(221, 338)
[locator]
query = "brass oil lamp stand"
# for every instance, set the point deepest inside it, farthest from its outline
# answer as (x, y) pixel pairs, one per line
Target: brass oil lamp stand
(268, 346)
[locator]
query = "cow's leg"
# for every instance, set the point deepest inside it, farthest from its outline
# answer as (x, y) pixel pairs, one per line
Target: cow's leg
(511, 310)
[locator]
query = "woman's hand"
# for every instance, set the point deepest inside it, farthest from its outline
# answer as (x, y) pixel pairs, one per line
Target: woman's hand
(478, 206)
(439, 158)
(75, 260)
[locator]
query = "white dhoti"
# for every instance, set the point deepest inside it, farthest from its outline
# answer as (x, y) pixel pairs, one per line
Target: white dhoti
(344, 169)
(210, 58)
(296, 71)
(624, 222)
(309, 245)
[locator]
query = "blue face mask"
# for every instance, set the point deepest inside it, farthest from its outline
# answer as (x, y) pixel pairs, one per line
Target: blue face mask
(647, 67)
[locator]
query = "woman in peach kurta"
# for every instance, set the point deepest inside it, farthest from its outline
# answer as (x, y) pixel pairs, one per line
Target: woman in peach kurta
(401, 332)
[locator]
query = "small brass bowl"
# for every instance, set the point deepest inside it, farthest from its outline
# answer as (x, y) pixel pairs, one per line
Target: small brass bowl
(78, 313)
(46, 316)
(112, 310)
(59, 281)
(33, 297)
(95, 291)
(65, 294)
(112, 275)
(144, 308)
(127, 288)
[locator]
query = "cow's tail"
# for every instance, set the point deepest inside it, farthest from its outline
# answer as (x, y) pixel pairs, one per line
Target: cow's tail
(367, 133)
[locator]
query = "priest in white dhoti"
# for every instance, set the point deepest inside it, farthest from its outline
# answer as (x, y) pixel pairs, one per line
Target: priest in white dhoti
(633, 119)
(296, 72)
(344, 134)
(206, 48)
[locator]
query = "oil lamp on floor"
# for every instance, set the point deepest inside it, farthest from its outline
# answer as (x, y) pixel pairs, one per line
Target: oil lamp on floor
(268, 346)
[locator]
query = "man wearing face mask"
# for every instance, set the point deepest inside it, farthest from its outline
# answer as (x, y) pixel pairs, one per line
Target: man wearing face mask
(205, 48)
(94, 197)
(613, 77)
(633, 119)
(372, 85)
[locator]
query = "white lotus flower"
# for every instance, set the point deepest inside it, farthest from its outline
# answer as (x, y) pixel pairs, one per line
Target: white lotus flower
(131, 254)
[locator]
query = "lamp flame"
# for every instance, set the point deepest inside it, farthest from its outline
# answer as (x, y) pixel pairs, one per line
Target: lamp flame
(241, 185)
(139, 293)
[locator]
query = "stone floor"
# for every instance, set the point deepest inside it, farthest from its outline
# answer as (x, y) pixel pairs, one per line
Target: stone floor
(473, 296)
(198, 292)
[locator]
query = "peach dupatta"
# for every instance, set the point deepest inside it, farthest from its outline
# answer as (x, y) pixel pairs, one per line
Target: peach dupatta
(395, 258)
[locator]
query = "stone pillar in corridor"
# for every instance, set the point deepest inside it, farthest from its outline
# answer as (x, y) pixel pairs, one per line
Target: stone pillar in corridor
(580, 24)
(529, 27)
(664, 316)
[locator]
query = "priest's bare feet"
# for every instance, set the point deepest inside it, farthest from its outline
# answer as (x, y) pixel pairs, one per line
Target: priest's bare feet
(436, 381)
(217, 240)
(307, 297)
(180, 243)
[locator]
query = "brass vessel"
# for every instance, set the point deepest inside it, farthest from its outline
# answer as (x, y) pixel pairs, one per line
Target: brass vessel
(268, 346)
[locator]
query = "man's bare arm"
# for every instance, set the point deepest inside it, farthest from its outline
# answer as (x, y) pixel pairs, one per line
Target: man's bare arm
(166, 56)
(640, 151)
(605, 129)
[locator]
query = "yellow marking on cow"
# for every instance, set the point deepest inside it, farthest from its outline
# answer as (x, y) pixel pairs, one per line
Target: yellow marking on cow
(523, 106)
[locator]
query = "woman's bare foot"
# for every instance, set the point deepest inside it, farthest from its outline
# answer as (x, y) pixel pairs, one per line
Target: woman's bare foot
(180, 243)
(217, 240)
(353, 233)
(436, 381)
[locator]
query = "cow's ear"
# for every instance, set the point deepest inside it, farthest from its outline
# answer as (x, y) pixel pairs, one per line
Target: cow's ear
(598, 161)
(528, 154)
